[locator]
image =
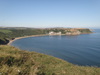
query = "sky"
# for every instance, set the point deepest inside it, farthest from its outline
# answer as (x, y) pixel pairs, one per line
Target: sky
(50, 13)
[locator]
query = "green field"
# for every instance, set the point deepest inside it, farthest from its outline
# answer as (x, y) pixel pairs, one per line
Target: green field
(18, 62)
(5, 31)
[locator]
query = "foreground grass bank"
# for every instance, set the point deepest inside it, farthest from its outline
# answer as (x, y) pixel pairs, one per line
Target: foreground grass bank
(18, 62)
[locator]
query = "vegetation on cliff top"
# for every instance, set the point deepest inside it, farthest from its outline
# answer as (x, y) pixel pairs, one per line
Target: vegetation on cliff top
(18, 62)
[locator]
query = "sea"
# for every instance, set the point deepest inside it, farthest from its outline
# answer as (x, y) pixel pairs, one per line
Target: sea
(82, 50)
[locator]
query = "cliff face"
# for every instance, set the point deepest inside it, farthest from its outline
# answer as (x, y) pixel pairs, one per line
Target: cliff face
(3, 41)
(78, 31)
(69, 31)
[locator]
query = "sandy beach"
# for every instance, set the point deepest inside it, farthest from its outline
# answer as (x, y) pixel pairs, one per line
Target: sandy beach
(24, 37)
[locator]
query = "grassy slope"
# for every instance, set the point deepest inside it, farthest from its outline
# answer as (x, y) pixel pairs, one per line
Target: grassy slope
(5, 31)
(17, 62)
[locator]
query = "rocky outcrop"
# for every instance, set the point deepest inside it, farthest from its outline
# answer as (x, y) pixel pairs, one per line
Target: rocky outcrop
(54, 33)
(69, 31)
(73, 33)
(3, 41)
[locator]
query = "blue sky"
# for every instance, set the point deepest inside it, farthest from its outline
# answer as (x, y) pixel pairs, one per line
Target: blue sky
(50, 13)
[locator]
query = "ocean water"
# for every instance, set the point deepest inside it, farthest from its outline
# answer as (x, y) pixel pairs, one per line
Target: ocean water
(80, 50)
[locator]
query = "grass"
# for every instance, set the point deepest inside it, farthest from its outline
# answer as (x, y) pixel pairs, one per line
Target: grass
(19, 62)
(5, 31)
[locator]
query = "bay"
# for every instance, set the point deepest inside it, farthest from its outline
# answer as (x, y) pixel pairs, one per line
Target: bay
(80, 50)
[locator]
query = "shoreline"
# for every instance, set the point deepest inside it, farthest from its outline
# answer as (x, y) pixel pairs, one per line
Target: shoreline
(10, 41)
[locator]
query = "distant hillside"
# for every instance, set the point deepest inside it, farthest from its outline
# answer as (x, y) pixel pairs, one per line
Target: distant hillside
(9, 33)
(67, 31)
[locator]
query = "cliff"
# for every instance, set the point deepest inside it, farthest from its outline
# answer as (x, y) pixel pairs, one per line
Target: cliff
(68, 31)
(3, 41)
